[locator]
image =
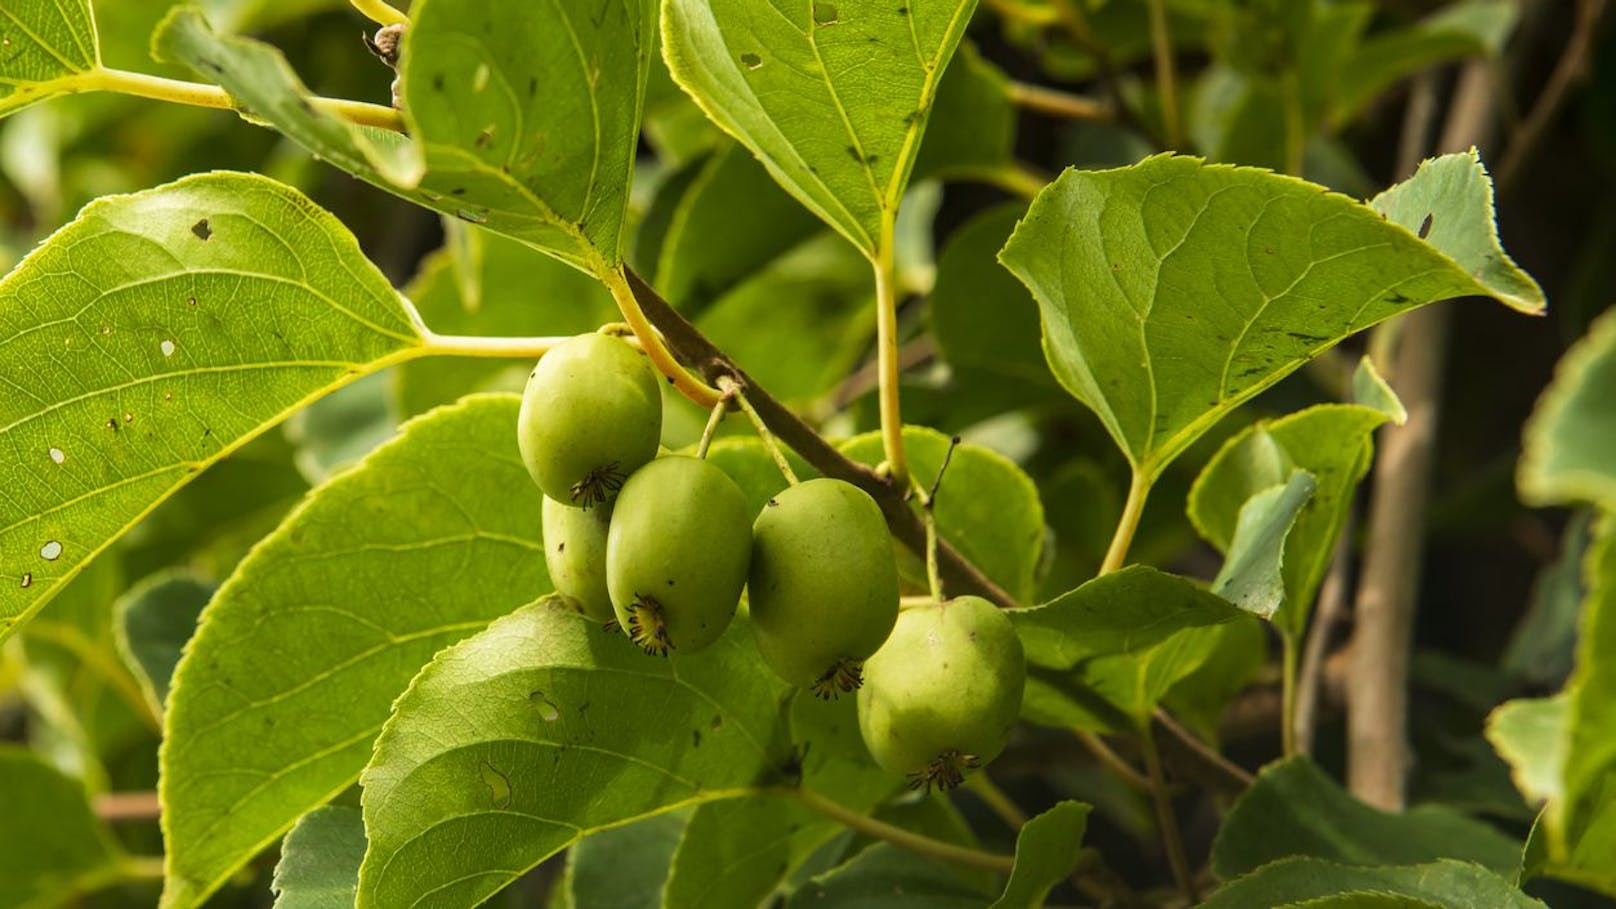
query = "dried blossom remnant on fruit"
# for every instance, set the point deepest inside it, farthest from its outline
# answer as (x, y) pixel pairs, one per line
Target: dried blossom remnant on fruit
(597, 486)
(647, 628)
(385, 46)
(844, 677)
(945, 773)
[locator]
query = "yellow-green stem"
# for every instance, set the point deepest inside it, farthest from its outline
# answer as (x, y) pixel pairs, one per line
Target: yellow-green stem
(200, 94)
(700, 393)
(713, 419)
(1024, 12)
(1166, 819)
(1057, 103)
(1295, 126)
(1288, 663)
(1117, 554)
(489, 347)
(886, 313)
(934, 574)
(1161, 42)
(380, 12)
(770, 443)
(897, 836)
(996, 800)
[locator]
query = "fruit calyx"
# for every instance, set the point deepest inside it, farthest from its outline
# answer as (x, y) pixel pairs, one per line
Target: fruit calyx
(647, 628)
(843, 677)
(945, 772)
(598, 486)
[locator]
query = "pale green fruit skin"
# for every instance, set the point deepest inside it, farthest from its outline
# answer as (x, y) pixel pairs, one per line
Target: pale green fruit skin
(575, 554)
(949, 678)
(824, 583)
(591, 405)
(681, 534)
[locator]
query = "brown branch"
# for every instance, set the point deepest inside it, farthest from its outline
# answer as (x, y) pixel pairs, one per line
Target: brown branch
(1200, 759)
(115, 807)
(1329, 613)
(1572, 69)
(700, 354)
(1057, 103)
(1377, 695)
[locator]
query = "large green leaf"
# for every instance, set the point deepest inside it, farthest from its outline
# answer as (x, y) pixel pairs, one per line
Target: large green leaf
(833, 97)
(738, 851)
(48, 45)
(154, 335)
(1046, 852)
(319, 864)
(54, 848)
(1295, 809)
(524, 124)
(1172, 291)
(1298, 882)
(1571, 435)
(517, 742)
(1127, 636)
(987, 507)
(300, 654)
(728, 224)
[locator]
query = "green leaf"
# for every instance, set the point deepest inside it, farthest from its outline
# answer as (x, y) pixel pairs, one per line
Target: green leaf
(48, 46)
(301, 653)
(1530, 735)
(831, 96)
(1295, 809)
(319, 864)
(985, 322)
(1239, 653)
(1173, 291)
(495, 755)
(1472, 28)
(335, 432)
(1334, 444)
(623, 868)
(986, 507)
(1569, 439)
(730, 223)
(1542, 648)
(973, 124)
(1253, 572)
(1046, 852)
(738, 851)
(1128, 636)
(749, 464)
(154, 335)
(1296, 882)
(1371, 390)
(886, 877)
(524, 124)
(154, 620)
(524, 294)
(55, 849)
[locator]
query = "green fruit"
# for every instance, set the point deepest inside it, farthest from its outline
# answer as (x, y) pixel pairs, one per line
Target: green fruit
(823, 586)
(575, 553)
(676, 554)
(591, 415)
(942, 694)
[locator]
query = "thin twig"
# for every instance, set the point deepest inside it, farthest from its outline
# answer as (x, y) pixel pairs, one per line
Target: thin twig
(906, 839)
(1222, 773)
(862, 381)
(701, 354)
(116, 807)
(1166, 818)
(996, 800)
(1161, 42)
(1572, 69)
(1110, 760)
(1057, 103)
(1327, 614)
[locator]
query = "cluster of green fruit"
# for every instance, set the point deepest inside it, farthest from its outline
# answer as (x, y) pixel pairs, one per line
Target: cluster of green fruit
(662, 547)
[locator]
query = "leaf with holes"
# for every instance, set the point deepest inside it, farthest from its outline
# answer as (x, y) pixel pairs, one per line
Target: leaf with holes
(46, 47)
(512, 745)
(153, 336)
(525, 123)
(300, 654)
(1173, 291)
(833, 97)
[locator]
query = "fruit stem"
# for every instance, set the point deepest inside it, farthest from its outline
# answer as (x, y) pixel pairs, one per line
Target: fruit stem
(200, 94)
(731, 387)
(1117, 554)
(887, 362)
(996, 800)
(1172, 839)
(380, 12)
(928, 500)
(713, 419)
(475, 346)
(897, 836)
(688, 385)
